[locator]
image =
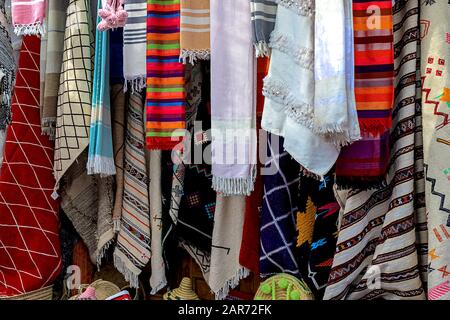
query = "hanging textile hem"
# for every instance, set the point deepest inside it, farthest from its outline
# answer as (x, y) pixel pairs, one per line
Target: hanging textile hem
(232, 283)
(136, 83)
(129, 271)
(36, 28)
(192, 55)
(234, 186)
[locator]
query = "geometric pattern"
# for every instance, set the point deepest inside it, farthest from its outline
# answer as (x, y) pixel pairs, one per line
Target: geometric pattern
(74, 97)
(29, 225)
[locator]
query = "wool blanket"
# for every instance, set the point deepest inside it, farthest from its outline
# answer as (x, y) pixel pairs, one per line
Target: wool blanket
(7, 67)
(88, 202)
(194, 30)
(165, 77)
(101, 155)
(56, 22)
(30, 257)
(317, 218)
(134, 45)
(263, 17)
(74, 97)
(28, 16)
(132, 251)
(289, 112)
(233, 100)
(381, 249)
(435, 89)
(226, 272)
(364, 164)
(280, 204)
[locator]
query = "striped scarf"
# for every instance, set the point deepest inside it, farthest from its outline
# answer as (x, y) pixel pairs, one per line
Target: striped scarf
(134, 45)
(28, 16)
(263, 22)
(132, 251)
(101, 156)
(194, 33)
(56, 21)
(165, 76)
(364, 163)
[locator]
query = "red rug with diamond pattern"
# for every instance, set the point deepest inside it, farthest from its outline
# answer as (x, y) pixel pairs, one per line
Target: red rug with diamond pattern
(30, 256)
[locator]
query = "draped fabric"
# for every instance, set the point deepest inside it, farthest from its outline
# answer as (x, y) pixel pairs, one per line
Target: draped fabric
(435, 72)
(30, 256)
(75, 88)
(166, 123)
(382, 232)
(28, 16)
(364, 163)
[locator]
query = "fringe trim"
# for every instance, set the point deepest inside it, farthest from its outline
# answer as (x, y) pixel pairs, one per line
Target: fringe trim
(101, 254)
(159, 287)
(116, 224)
(302, 56)
(359, 183)
(104, 166)
(192, 55)
(232, 283)
(137, 84)
(48, 127)
(130, 276)
(262, 49)
(300, 7)
(306, 173)
(233, 186)
(36, 29)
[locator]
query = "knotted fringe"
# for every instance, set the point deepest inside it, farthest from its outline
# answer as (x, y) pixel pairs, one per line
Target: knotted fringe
(116, 224)
(131, 276)
(262, 49)
(192, 55)
(304, 57)
(300, 7)
(48, 126)
(232, 283)
(137, 84)
(104, 166)
(306, 173)
(360, 183)
(233, 186)
(35, 29)
(104, 248)
(158, 288)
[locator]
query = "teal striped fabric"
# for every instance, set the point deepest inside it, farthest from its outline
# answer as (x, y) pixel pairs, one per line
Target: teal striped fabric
(101, 156)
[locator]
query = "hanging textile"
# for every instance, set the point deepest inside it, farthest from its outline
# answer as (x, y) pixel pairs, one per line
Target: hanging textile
(263, 17)
(88, 202)
(226, 272)
(165, 76)
(135, 45)
(132, 252)
(55, 44)
(74, 98)
(194, 31)
(232, 99)
(43, 62)
(380, 246)
(280, 204)
(28, 16)
(317, 218)
(101, 156)
(158, 276)
(364, 163)
(435, 62)
(249, 252)
(30, 256)
(290, 113)
(118, 114)
(7, 68)
(118, 106)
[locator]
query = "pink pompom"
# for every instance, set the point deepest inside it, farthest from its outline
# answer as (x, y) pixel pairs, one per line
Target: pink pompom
(103, 26)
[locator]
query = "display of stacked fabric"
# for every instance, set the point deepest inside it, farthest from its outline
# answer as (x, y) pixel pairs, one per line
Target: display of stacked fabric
(303, 145)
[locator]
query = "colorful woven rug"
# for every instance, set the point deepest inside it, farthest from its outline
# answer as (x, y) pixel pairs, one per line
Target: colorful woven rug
(165, 76)
(30, 256)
